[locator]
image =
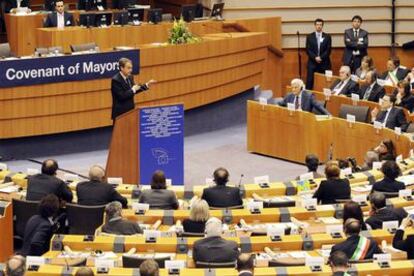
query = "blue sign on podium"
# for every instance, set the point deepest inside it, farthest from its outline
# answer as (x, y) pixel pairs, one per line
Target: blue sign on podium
(161, 142)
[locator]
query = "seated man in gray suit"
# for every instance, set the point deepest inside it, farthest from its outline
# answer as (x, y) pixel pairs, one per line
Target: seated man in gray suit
(213, 248)
(345, 85)
(302, 99)
(372, 91)
(117, 225)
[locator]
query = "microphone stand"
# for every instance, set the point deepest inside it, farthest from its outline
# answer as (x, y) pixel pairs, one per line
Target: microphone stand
(299, 56)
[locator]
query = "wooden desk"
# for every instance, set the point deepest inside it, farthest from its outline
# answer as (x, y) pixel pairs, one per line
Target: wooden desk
(6, 232)
(275, 131)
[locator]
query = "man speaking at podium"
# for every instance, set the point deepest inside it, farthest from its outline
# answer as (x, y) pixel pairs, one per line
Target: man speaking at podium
(123, 89)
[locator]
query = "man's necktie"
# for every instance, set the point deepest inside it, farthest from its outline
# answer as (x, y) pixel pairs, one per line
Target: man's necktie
(368, 92)
(356, 33)
(296, 102)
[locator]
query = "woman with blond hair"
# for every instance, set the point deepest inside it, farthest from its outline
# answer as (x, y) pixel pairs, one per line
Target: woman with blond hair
(199, 214)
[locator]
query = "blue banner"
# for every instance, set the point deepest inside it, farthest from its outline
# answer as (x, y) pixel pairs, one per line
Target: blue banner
(161, 142)
(22, 72)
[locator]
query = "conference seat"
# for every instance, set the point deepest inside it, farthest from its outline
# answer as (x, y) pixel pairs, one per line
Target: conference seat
(130, 261)
(321, 103)
(83, 47)
(360, 112)
(84, 220)
(190, 234)
(227, 208)
(5, 50)
(23, 210)
(390, 194)
(42, 51)
(55, 49)
(410, 128)
(200, 264)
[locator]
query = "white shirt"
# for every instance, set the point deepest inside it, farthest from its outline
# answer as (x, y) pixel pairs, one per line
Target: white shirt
(337, 89)
(60, 20)
(386, 116)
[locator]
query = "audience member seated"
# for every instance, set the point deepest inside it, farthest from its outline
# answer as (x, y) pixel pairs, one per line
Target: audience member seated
(386, 150)
(353, 210)
(390, 116)
(367, 64)
(356, 247)
(380, 212)
(371, 90)
(338, 261)
(388, 184)
(59, 18)
(312, 163)
(302, 99)
(394, 72)
(410, 76)
(404, 97)
(220, 195)
(149, 268)
(333, 188)
(40, 228)
(345, 85)
(46, 182)
(159, 197)
(406, 245)
(16, 266)
(213, 248)
(199, 214)
(96, 191)
(245, 264)
(369, 159)
(115, 224)
(84, 271)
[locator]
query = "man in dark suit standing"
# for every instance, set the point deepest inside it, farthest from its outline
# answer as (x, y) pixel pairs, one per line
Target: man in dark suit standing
(123, 89)
(390, 116)
(356, 44)
(302, 99)
(372, 91)
(318, 48)
(344, 85)
(45, 183)
(222, 196)
(96, 192)
(59, 18)
(213, 248)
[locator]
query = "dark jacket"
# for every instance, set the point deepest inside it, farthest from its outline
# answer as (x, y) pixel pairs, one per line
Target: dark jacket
(120, 226)
(308, 102)
(123, 95)
(11, 4)
(401, 74)
(388, 185)
(350, 245)
(350, 87)
(51, 20)
(406, 245)
(351, 44)
(215, 249)
(407, 102)
(93, 193)
(192, 226)
(395, 119)
(40, 185)
(377, 92)
(37, 235)
(324, 50)
(159, 199)
(385, 214)
(332, 189)
(222, 196)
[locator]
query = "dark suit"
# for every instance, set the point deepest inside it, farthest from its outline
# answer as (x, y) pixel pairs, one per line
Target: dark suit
(93, 193)
(159, 199)
(332, 189)
(401, 74)
(11, 4)
(222, 196)
(388, 185)
(406, 245)
(245, 273)
(377, 92)
(120, 226)
(215, 250)
(385, 214)
(194, 226)
(123, 95)
(407, 102)
(312, 51)
(349, 88)
(308, 102)
(351, 44)
(396, 118)
(52, 21)
(350, 245)
(37, 235)
(91, 4)
(40, 185)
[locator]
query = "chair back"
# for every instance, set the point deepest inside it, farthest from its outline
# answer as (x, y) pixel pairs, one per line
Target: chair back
(23, 210)
(84, 220)
(83, 47)
(360, 112)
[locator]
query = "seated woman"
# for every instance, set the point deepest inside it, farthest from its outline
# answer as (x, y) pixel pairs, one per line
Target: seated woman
(406, 245)
(115, 224)
(367, 64)
(388, 184)
(353, 210)
(159, 197)
(386, 150)
(199, 214)
(333, 188)
(404, 97)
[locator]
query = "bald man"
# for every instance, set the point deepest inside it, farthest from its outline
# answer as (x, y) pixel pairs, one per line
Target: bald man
(45, 183)
(96, 191)
(16, 266)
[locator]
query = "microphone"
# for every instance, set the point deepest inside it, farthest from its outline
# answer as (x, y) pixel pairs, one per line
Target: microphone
(64, 258)
(216, 29)
(240, 181)
(330, 152)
